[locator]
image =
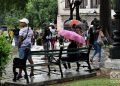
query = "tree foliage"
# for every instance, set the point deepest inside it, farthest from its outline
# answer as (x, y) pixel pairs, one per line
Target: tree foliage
(10, 9)
(7, 5)
(5, 48)
(37, 11)
(42, 11)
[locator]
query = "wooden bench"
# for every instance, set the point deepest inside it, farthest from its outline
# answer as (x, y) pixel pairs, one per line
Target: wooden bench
(58, 53)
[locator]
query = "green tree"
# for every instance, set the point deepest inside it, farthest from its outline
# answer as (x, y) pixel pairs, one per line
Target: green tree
(41, 11)
(11, 8)
(37, 11)
(7, 5)
(5, 48)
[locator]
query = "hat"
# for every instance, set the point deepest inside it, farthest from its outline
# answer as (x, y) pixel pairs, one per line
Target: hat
(25, 20)
(51, 24)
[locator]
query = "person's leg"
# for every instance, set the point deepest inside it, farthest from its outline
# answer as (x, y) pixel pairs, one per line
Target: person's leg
(52, 44)
(54, 41)
(64, 59)
(78, 66)
(65, 66)
(45, 48)
(21, 56)
(96, 47)
(95, 52)
(99, 51)
(48, 45)
(69, 65)
(32, 67)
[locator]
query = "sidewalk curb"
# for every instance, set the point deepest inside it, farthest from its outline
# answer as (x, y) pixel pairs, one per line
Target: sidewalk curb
(50, 82)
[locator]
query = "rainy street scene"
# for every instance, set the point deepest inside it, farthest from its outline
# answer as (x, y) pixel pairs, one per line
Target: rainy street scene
(60, 42)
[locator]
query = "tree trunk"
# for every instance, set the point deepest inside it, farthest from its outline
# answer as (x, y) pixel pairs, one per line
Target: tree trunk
(71, 13)
(105, 17)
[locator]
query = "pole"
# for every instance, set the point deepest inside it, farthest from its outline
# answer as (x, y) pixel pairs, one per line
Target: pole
(115, 50)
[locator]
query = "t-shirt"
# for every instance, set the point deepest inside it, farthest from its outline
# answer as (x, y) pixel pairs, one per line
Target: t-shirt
(27, 40)
(53, 31)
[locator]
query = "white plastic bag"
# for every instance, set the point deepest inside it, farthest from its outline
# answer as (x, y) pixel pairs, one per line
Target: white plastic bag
(13, 43)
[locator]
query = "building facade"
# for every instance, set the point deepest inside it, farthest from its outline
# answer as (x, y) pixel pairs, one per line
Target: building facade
(89, 9)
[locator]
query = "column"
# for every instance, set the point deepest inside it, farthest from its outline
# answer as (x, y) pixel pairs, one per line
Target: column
(88, 4)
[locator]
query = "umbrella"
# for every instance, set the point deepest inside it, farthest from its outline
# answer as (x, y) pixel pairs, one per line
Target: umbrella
(74, 22)
(72, 36)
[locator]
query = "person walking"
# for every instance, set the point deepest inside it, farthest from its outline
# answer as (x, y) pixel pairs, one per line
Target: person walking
(46, 40)
(24, 43)
(98, 42)
(54, 36)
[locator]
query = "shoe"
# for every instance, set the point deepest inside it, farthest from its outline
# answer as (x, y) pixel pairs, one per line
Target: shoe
(18, 77)
(77, 69)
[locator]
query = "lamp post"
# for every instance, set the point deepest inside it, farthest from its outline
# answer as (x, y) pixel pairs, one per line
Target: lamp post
(115, 50)
(77, 4)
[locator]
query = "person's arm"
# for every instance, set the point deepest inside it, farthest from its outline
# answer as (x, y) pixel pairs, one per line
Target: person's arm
(101, 33)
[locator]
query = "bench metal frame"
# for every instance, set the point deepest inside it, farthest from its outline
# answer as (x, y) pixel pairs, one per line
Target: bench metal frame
(51, 54)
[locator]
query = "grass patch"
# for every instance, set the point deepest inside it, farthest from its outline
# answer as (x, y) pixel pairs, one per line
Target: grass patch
(96, 81)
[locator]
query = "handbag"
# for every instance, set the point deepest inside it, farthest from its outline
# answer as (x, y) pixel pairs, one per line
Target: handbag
(100, 40)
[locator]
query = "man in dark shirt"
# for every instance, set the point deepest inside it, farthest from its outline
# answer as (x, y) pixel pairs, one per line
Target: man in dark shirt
(16, 35)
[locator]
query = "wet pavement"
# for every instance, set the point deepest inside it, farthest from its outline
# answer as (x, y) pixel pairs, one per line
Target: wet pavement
(41, 77)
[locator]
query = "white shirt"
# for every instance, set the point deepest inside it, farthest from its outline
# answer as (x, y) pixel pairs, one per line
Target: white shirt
(53, 31)
(23, 32)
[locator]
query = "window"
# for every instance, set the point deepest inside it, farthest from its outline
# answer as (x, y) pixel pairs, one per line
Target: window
(95, 3)
(84, 4)
(66, 4)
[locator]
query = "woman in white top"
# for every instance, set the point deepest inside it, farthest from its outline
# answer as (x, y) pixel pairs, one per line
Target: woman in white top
(54, 37)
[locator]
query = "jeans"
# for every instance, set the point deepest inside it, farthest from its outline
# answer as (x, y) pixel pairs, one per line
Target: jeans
(97, 48)
(46, 46)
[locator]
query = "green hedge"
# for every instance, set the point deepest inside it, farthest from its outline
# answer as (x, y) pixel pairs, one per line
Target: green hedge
(5, 48)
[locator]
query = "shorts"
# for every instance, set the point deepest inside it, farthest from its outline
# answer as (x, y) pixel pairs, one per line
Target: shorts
(22, 52)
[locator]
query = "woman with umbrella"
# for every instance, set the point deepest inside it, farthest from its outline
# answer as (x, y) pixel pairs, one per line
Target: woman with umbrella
(75, 39)
(71, 57)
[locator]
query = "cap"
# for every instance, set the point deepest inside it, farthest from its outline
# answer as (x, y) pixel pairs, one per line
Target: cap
(25, 20)
(51, 24)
